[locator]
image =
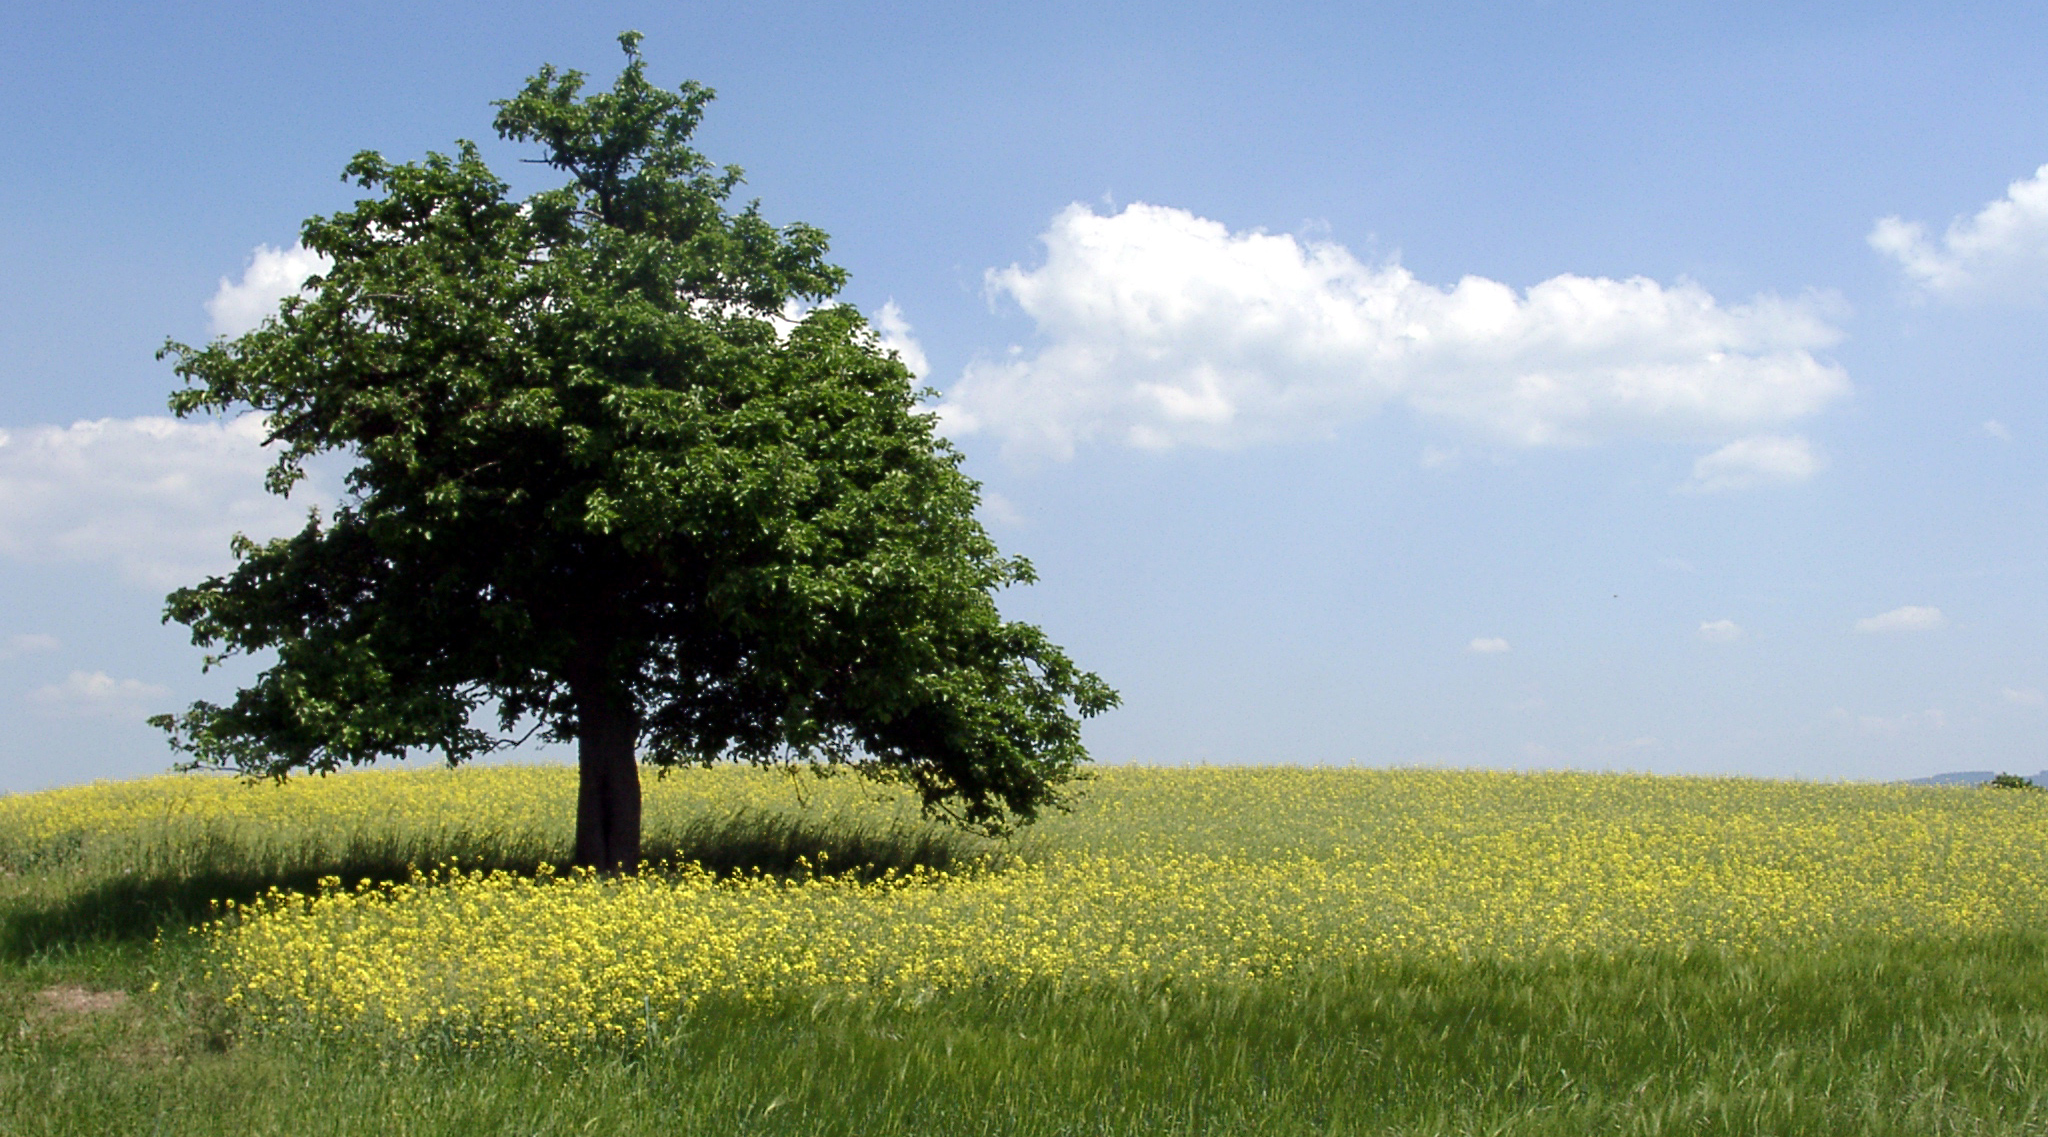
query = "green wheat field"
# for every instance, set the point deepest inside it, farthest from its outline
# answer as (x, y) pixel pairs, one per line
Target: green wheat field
(1273, 950)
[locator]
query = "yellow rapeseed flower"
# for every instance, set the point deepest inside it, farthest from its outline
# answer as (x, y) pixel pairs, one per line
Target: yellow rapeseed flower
(1182, 876)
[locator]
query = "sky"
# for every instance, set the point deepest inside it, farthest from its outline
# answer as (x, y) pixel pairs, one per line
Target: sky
(1522, 386)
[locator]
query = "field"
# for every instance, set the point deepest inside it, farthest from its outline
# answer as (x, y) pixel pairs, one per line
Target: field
(1273, 950)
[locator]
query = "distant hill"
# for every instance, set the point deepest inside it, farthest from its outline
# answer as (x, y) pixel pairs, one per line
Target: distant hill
(1973, 778)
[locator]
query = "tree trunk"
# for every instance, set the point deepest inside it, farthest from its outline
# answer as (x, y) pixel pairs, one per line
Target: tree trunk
(608, 782)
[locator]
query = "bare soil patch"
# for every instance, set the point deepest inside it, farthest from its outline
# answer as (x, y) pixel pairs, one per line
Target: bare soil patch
(70, 999)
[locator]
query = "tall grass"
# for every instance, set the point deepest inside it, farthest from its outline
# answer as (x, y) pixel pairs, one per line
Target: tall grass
(1877, 1038)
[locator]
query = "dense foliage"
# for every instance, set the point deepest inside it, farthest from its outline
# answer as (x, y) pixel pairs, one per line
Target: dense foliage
(610, 478)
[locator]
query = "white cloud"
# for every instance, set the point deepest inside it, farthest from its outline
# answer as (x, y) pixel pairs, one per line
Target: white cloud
(97, 693)
(1746, 463)
(1910, 618)
(272, 275)
(1996, 429)
(2023, 696)
(2001, 251)
(1487, 645)
(156, 498)
(894, 332)
(1165, 329)
(1720, 631)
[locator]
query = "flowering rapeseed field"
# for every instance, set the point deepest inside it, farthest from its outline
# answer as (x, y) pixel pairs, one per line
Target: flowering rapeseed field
(1159, 876)
(433, 808)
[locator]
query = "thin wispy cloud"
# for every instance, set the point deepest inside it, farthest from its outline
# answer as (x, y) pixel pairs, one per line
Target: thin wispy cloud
(1747, 463)
(1909, 618)
(2001, 251)
(1439, 457)
(31, 643)
(1163, 329)
(1488, 645)
(1891, 726)
(97, 694)
(1720, 631)
(1000, 510)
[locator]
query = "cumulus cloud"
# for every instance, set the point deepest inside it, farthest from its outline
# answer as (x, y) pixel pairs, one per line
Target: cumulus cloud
(271, 275)
(1760, 460)
(1487, 645)
(1720, 631)
(1910, 618)
(1997, 429)
(894, 332)
(2001, 250)
(1166, 329)
(97, 693)
(157, 498)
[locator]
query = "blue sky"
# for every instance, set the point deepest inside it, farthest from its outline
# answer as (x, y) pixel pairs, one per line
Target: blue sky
(1651, 387)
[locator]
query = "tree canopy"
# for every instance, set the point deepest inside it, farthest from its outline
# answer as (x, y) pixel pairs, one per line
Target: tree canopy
(610, 477)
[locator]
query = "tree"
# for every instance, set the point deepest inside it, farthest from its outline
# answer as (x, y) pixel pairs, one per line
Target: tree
(609, 479)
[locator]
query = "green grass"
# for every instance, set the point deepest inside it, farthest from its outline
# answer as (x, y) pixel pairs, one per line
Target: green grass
(1866, 1039)
(1898, 1036)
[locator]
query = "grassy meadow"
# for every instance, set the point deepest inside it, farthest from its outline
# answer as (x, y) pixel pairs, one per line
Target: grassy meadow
(1276, 950)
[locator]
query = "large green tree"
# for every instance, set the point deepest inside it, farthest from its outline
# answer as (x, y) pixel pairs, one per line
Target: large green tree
(605, 479)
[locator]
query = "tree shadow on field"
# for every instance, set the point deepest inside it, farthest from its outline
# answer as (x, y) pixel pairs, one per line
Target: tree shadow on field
(54, 902)
(790, 846)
